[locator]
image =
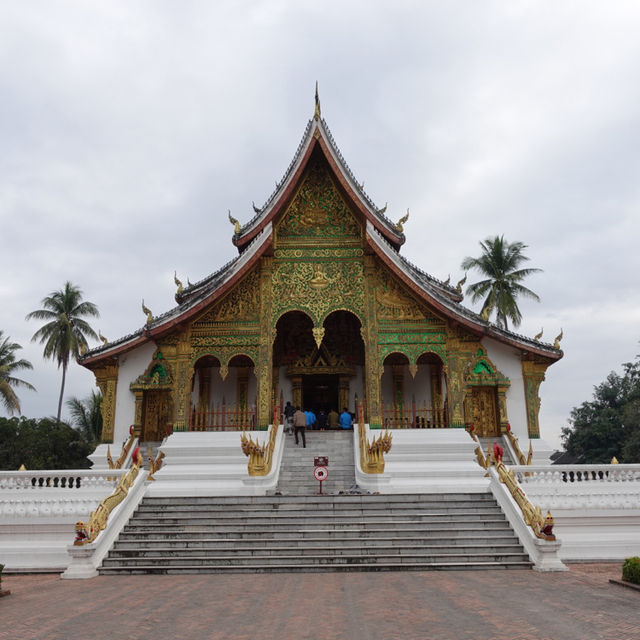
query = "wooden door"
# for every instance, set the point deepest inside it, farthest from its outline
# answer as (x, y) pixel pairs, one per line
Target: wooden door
(485, 412)
(155, 415)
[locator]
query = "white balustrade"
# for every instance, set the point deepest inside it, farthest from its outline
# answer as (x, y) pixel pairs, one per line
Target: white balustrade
(72, 479)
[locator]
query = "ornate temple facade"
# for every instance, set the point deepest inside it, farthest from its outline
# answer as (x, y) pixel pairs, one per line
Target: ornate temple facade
(320, 308)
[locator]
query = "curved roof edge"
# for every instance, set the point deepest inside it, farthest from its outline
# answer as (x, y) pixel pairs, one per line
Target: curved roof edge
(317, 131)
(192, 301)
(440, 296)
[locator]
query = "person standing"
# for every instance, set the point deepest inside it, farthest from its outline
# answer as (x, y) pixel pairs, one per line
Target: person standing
(289, 410)
(311, 418)
(346, 421)
(299, 426)
(333, 419)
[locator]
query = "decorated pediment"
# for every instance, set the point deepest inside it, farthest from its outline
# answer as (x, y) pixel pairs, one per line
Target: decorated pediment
(480, 371)
(321, 361)
(393, 303)
(241, 304)
(156, 376)
(318, 210)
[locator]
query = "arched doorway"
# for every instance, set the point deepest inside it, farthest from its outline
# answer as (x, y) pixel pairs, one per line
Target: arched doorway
(396, 411)
(319, 377)
(223, 396)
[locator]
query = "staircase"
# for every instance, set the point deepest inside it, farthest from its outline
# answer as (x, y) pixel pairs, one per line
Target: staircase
(316, 534)
(296, 470)
(488, 442)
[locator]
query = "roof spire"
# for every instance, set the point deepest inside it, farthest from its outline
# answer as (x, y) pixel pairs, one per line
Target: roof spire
(316, 113)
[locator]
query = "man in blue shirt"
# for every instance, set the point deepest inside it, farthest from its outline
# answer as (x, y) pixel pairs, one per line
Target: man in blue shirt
(345, 419)
(311, 418)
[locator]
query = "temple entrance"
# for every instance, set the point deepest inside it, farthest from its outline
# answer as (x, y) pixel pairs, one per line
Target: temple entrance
(319, 368)
(320, 392)
(155, 415)
(485, 412)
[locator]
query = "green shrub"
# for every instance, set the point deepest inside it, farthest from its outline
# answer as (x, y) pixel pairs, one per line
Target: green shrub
(631, 570)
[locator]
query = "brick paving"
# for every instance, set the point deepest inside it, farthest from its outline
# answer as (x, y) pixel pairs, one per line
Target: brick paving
(455, 605)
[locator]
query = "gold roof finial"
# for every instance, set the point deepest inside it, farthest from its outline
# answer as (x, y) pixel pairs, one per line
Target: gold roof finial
(104, 340)
(448, 280)
(400, 223)
(316, 113)
(235, 223)
(178, 283)
(556, 342)
(461, 282)
(538, 335)
(148, 312)
(614, 460)
(22, 468)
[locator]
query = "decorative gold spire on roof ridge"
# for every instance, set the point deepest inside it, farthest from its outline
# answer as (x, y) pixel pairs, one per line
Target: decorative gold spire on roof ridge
(316, 113)
(104, 340)
(461, 282)
(556, 342)
(235, 223)
(148, 312)
(400, 223)
(538, 335)
(177, 283)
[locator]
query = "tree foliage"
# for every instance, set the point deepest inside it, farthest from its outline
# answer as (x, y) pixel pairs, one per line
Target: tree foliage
(609, 424)
(8, 367)
(87, 416)
(499, 263)
(41, 444)
(65, 332)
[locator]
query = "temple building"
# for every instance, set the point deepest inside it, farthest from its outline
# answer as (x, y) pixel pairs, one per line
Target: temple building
(319, 308)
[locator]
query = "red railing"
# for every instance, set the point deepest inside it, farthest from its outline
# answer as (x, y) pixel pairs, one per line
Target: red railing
(223, 418)
(413, 417)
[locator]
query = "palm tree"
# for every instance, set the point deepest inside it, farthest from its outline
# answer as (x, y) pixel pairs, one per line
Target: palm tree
(8, 366)
(86, 416)
(499, 262)
(65, 332)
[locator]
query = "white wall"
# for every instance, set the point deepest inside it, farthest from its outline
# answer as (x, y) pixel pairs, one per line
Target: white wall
(131, 365)
(507, 360)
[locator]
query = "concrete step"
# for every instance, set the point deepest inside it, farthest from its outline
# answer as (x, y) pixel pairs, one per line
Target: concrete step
(316, 533)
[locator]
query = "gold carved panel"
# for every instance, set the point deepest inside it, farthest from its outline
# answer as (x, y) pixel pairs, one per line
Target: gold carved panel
(318, 210)
(318, 288)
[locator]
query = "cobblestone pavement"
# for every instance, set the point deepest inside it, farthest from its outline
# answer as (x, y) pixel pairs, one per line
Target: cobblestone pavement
(456, 605)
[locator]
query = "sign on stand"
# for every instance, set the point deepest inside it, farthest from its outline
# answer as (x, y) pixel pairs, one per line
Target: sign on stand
(320, 472)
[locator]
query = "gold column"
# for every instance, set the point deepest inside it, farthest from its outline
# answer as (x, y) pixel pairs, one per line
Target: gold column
(107, 382)
(181, 392)
(436, 395)
(369, 334)
(204, 391)
(296, 391)
(455, 389)
(397, 373)
(343, 393)
(137, 420)
(533, 375)
(265, 348)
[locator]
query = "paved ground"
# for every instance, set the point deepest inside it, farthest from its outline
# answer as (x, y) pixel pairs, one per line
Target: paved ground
(458, 605)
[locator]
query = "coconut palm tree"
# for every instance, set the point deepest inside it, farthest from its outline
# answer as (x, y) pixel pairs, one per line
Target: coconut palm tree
(8, 366)
(86, 416)
(65, 332)
(500, 262)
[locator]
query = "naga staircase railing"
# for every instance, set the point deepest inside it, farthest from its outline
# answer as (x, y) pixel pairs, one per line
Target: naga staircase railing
(123, 454)
(542, 526)
(86, 533)
(516, 447)
(260, 456)
(372, 454)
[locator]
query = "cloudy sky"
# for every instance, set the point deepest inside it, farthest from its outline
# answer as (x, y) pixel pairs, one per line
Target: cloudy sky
(128, 129)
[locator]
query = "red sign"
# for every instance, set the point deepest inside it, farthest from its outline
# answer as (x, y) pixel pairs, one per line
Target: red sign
(320, 473)
(321, 461)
